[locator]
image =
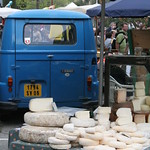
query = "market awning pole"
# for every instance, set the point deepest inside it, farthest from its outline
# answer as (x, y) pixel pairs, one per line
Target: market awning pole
(101, 53)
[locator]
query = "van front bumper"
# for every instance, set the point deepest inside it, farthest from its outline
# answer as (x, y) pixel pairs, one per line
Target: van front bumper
(8, 106)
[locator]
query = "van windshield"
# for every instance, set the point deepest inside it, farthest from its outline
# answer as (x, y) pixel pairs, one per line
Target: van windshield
(51, 34)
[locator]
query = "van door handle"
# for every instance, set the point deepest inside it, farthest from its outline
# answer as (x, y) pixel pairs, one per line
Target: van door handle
(50, 56)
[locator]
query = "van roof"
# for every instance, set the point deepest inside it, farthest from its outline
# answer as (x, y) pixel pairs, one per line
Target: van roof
(48, 14)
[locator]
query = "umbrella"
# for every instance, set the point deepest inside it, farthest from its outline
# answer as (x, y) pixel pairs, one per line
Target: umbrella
(123, 8)
(129, 8)
(5, 11)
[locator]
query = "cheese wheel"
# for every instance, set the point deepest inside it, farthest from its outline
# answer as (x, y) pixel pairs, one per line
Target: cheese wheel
(41, 104)
(87, 142)
(83, 123)
(96, 136)
(123, 112)
(46, 119)
(69, 127)
(140, 85)
(104, 147)
(139, 140)
(33, 134)
(106, 140)
(147, 100)
(54, 140)
(117, 144)
(145, 107)
(75, 133)
(126, 128)
(90, 130)
(139, 92)
(123, 138)
(66, 146)
(104, 110)
(100, 128)
(135, 146)
(65, 137)
(124, 120)
(82, 114)
(110, 133)
(139, 118)
(134, 134)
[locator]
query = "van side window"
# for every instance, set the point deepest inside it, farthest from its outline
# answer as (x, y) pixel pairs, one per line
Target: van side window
(51, 34)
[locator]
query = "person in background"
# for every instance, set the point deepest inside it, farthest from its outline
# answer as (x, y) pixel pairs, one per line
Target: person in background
(108, 41)
(121, 40)
(111, 27)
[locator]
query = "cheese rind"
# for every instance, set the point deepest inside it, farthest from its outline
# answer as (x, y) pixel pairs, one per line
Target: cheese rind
(41, 104)
(33, 134)
(46, 119)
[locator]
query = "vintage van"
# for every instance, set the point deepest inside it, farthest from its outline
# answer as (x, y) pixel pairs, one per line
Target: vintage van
(47, 53)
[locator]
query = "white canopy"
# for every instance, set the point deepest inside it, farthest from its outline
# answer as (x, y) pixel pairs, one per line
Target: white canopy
(74, 7)
(5, 11)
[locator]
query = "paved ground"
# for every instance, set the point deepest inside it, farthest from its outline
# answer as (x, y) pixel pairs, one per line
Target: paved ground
(9, 121)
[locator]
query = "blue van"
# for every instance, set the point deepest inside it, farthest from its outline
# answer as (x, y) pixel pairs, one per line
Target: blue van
(47, 53)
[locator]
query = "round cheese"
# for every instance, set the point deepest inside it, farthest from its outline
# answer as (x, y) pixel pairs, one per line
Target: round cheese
(33, 134)
(123, 138)
(135, 146)
(75, 133)
(46, 119)
(89, 147)
(65, 137)
(96, 136)
(117, 144)
(63, 146)
(83, 123)
(87, 142)
(69, 127)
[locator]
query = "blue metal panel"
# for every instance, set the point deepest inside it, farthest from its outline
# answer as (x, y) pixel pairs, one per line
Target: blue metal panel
(67, 82)
(48, 14)
(37, 72)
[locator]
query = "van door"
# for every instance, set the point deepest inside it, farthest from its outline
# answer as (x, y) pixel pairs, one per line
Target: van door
(48, 63)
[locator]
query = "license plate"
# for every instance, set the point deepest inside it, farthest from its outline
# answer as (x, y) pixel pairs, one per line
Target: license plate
(32, 90)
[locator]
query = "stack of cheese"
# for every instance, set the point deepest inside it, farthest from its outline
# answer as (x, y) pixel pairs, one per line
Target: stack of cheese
(103, 115)
(63, 139)
(41, 121)
(127, 132)
(139, 100)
